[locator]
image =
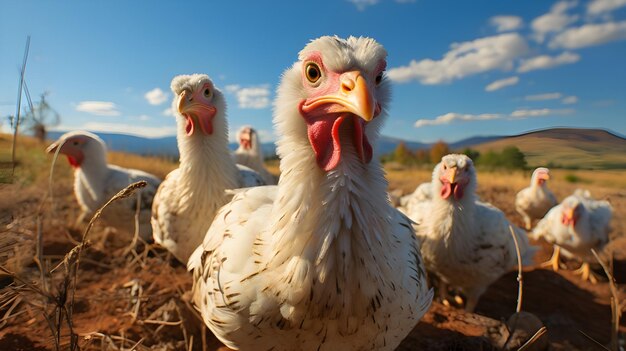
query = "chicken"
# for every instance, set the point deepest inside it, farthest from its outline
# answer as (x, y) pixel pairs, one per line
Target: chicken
(190, 195)
(465, 242)
(410, 204)
(321, 261)
(95, 182)
(576, 226)
(249, 153)
(536, 200)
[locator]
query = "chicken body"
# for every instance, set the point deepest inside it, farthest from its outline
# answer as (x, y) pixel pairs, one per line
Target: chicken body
(96, 181)
(190, 196)
(321, 261)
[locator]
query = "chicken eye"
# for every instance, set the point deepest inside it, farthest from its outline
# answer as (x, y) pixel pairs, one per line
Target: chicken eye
(312, 72)
(76, 143)
(207, 92)
(379, 78)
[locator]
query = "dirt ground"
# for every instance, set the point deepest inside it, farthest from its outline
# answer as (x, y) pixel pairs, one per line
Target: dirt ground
(135, 297)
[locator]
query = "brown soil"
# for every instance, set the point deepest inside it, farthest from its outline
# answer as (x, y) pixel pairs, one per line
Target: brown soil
(127, 298)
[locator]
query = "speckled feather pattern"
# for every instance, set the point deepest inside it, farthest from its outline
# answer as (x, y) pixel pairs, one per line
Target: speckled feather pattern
(319, 262)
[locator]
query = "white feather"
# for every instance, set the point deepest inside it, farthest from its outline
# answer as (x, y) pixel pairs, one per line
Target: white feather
(321, 261)
(536, 200)
(466, 242)
(591, 230)
(96, 181)
(252, 157)
(190, 196)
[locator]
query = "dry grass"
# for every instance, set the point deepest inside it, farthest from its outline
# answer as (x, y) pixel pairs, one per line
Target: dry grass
(570, 148)
(602, 180)
(158, 166)
(121, 291)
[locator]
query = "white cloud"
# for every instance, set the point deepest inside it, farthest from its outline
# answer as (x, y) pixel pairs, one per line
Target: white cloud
(590, 35)
(501, 83)
(254, 97)
(363, 4)
(568, 100)
(464, 59)
(546, 61)
(542, 112)
(554, 21)
(143, 117)
(543, 97)
(99, 108)
(453, 117)
(156, 96)
(506, 23)
(231, 88)
(168, 112)
(597, 7)
(123, 128)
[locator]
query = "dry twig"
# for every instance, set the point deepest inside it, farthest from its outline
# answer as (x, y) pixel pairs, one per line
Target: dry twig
(616, 306)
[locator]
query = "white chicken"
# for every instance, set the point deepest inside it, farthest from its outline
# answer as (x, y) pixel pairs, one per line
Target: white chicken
(249, 153)
(96, 181)
(536, 200)
(190, 195)
(465, 242)
(411, 203)
(574, 227)
(321, 261)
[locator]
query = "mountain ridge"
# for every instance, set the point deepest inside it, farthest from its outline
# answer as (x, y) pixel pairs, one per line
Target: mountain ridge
(563, 142)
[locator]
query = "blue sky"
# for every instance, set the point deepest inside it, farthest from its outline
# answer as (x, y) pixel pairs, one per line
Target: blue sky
(459, 68)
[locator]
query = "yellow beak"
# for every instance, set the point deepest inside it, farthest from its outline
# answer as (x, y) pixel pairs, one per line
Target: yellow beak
(451, 175)
(182, 101)
(353, 96)
(356, 94)
(569, 213)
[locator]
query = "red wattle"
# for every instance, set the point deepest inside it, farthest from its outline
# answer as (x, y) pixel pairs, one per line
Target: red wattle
(361, 143)
(206, 124)
(446, 190)
(323, 133)
(321, 141)
(246, 144)
(566, 221)
(189, 126)
(73, 161)
(459, 191)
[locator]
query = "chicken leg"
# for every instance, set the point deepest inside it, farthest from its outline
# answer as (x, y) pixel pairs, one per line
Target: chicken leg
(586, 273)
(554, 260)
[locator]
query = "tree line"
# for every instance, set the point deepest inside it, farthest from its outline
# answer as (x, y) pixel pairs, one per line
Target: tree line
(508, 158)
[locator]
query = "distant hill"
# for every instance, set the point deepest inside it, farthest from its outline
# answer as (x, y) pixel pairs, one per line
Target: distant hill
(167, 145)
(561, 147)
(469, 142)
(387, 144)
(566, 147)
